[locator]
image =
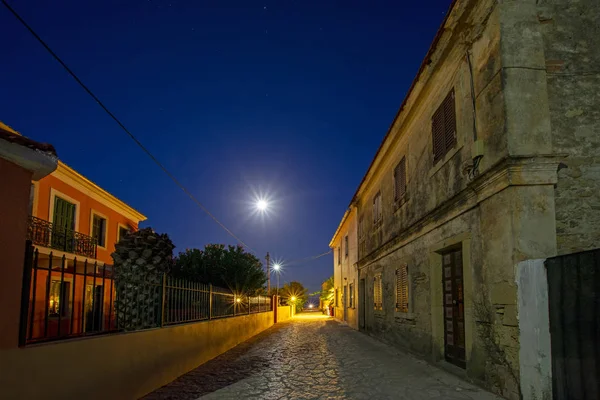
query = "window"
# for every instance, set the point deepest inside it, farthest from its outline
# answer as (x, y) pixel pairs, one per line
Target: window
(400, 180)
(122, 233)
(346, 246)
(377, 208)
(443, 128)
(58, 299)
(336, 297)
(339, 249)
(351, 296)
(402, 289)
(377, 292)
(361, 228)
(99, 230)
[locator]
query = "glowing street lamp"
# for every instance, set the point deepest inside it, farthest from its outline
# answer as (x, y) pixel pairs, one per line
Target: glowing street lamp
(277, 268)
(262, 205)
(293, 298)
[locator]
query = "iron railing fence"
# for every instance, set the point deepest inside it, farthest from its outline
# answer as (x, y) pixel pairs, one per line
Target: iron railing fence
(45, 233)
(65, 298)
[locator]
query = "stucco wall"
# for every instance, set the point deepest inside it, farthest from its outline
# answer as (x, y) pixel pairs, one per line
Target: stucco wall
(123, 366)
(14, 186)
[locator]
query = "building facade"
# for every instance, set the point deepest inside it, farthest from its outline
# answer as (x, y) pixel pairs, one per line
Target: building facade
(491, 160)
(345, 273)
(73, 225)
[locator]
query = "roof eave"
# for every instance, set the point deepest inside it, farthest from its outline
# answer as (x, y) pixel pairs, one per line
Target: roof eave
(424, 63)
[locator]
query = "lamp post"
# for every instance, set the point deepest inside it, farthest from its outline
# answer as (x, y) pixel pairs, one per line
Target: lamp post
(277, 268)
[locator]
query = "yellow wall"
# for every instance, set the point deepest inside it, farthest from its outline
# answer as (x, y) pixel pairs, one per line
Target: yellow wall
(284, 313)
(123, 366)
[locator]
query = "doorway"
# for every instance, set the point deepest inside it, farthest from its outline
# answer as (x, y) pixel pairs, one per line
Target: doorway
(454, 311)
(361, 304)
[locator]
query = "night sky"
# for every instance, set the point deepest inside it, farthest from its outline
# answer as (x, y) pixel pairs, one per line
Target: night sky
(283, 99)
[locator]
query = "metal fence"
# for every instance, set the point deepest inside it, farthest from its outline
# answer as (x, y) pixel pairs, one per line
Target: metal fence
(574, 306)
(45, 233)
(64, 298)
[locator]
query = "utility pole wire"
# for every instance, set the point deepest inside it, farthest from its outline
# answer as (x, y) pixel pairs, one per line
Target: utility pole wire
(162, 167)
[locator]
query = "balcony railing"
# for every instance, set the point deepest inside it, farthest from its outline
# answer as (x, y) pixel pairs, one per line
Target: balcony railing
(44, 233)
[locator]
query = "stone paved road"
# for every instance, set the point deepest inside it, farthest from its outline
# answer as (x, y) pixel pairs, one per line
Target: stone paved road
(313, 357)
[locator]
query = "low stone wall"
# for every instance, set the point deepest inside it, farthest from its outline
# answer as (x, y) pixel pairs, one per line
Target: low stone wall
(284, 313)
(121, 366)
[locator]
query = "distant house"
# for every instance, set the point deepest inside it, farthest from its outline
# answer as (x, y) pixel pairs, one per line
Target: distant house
(73, 225)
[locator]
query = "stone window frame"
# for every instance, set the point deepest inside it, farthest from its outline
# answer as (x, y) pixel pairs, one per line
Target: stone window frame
(351, 296)
(346, 246)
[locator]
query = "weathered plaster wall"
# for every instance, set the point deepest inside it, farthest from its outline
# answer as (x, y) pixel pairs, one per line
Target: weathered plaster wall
(570, 32)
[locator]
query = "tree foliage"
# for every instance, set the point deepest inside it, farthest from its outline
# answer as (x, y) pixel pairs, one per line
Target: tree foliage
(228, 267)
(328, 292)
(294, 290)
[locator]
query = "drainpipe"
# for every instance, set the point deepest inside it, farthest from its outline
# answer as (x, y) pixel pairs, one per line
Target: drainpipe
(477, 150)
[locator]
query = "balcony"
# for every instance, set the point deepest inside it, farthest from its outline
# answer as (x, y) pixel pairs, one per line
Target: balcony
(45, 234)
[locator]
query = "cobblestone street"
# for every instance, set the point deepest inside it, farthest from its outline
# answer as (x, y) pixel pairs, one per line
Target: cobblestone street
(313, 357)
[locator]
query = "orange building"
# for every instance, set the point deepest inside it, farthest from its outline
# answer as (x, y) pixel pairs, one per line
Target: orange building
(73, 226)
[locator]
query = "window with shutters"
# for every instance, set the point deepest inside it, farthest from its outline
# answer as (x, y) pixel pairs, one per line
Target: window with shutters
(402, 289)
(377, 212)
(378, 292)
(346, 246)
(443, 128)
(400, 180)
(339, 251)
(351, 295)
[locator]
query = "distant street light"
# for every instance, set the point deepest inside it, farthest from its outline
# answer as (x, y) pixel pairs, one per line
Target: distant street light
(293, 298)
(277, 268)
(310, 306)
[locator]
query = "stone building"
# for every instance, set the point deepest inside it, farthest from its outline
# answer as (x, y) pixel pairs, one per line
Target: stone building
(492, 159)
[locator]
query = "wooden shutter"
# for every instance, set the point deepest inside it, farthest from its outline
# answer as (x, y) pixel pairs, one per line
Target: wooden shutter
(402, 289)
(449, 121)
(400, 179)
(377, 295)
(443, 127)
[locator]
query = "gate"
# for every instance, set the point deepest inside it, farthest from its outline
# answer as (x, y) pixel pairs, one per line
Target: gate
(574, 310)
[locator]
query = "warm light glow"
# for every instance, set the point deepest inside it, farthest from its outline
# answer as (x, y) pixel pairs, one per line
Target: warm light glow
(293, 298)
(310, 306)
(239, 300)
(262, 205)
(276, 267)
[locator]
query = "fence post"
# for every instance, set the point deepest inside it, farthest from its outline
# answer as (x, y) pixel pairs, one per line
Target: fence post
(162, 303)
(25, 290)
(210, 300)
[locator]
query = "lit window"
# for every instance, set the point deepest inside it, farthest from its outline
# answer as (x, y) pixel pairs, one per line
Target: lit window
(351, 295)
(58, 298)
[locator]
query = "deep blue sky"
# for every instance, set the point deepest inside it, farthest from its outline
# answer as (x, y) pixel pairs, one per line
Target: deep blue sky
(286, 98)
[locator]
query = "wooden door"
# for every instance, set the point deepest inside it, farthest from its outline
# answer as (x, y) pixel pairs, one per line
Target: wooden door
(454, 311)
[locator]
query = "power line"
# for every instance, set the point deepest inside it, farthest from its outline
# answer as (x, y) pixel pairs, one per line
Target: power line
(301, 260)
(162, 167)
